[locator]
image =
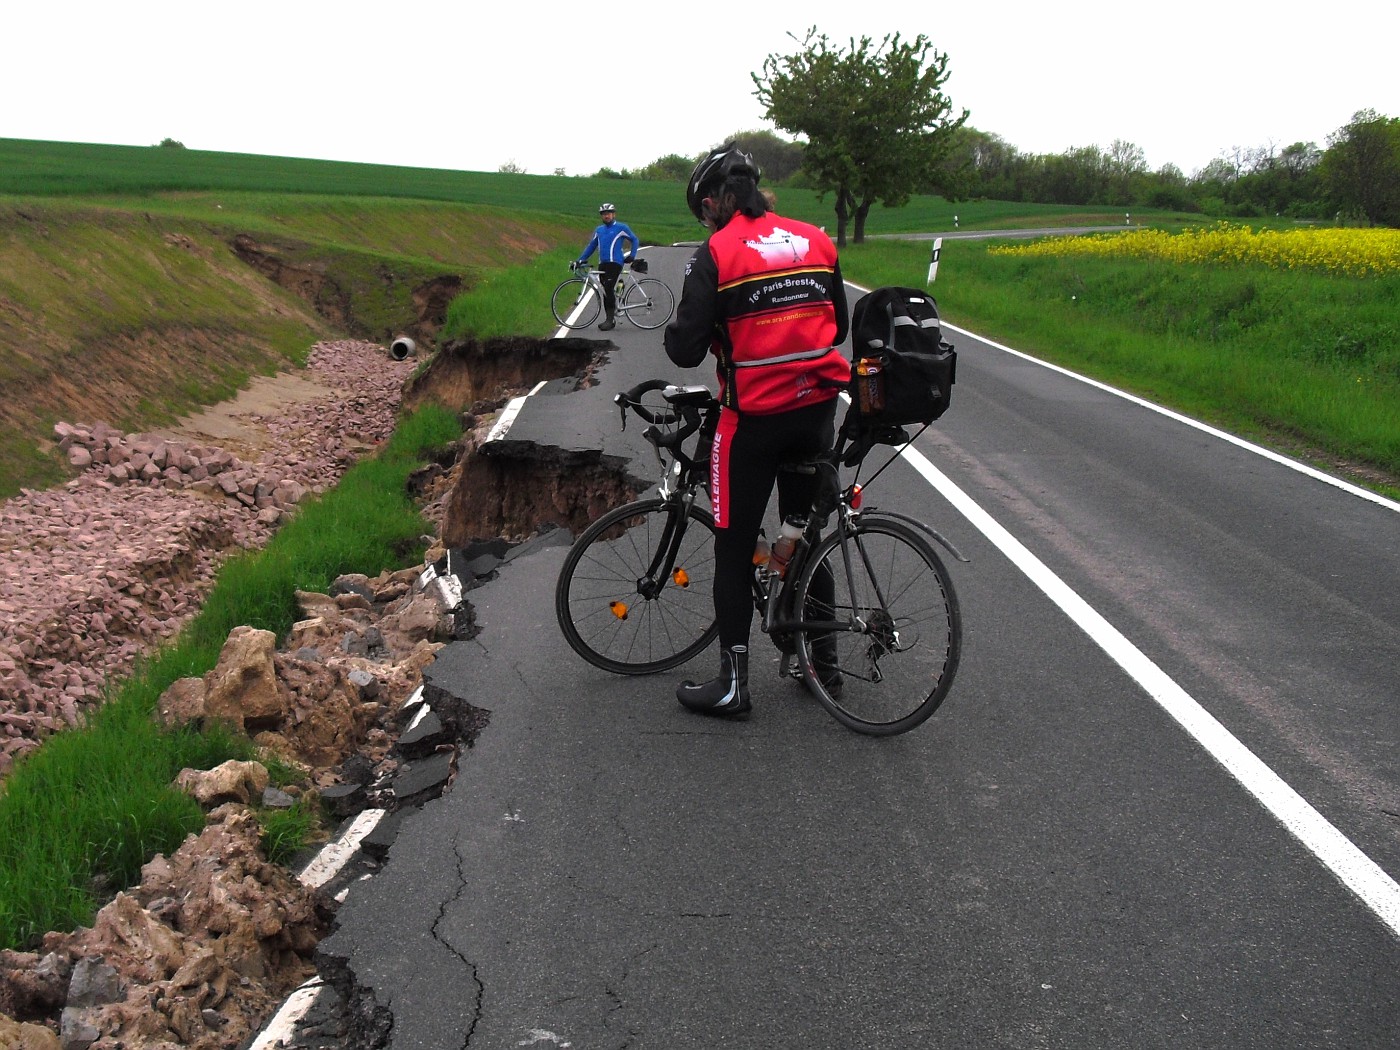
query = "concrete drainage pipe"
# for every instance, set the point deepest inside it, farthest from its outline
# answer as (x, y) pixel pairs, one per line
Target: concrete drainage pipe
(401, 348)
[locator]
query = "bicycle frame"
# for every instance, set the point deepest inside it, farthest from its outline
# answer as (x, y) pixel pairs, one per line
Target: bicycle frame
(595, 287)
(773, 595)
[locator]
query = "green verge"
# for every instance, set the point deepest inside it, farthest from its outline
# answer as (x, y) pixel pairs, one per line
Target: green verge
(1307, 363)
(510, 301)
(138, 311)
(81, 814)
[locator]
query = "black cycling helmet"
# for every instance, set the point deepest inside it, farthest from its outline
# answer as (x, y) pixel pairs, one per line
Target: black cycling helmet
(608, 206)
(718, 165)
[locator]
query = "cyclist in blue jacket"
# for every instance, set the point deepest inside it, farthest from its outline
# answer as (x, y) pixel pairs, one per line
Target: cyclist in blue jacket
(607, 241)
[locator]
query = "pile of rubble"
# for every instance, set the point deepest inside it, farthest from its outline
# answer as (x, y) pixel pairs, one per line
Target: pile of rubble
(96, 572)
(215, 937)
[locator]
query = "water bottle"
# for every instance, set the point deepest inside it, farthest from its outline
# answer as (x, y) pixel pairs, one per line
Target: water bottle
(762, 556)
(871, 385)
(794, 525)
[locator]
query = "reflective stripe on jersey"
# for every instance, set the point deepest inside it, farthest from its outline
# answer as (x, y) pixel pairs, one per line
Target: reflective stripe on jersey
(806, 355)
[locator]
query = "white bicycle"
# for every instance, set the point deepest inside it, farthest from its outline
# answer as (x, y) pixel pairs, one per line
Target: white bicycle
(646, 302)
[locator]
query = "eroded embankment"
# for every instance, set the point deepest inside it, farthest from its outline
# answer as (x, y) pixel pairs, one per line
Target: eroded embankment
(203, 951)
(511, 489)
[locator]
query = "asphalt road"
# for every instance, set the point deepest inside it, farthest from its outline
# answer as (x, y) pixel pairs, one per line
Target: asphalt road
(1161, 807)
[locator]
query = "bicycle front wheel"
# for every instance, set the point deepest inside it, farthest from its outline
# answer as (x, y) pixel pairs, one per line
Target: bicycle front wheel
(648, 303)
(889, 660)
(627, 604)
(574, 305)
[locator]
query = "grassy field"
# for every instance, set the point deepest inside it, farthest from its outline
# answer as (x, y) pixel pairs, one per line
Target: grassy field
(122, 175)
(1305, 360)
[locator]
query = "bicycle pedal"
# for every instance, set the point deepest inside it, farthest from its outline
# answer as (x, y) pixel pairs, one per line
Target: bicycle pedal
(785, 666)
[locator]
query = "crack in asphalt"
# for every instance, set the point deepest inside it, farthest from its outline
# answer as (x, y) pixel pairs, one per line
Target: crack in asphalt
(470, 966)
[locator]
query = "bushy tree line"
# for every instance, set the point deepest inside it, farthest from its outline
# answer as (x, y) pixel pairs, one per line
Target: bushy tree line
(1356, 177)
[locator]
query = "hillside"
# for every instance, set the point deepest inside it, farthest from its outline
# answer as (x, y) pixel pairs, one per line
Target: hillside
(135, 312)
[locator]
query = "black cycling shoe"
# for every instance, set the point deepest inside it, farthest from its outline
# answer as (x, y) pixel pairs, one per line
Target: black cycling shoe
(726, 696)
(607, 326)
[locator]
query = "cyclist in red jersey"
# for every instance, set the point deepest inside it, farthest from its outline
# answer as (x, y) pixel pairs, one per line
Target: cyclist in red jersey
(764, 295)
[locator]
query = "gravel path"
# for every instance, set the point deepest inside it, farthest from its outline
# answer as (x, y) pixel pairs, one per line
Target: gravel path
(99, 571)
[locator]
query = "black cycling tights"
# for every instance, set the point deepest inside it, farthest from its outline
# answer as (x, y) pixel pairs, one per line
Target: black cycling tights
(757, 446)
(611, 272)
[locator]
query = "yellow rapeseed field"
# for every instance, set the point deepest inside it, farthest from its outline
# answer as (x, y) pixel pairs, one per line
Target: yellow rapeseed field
(1345, 252)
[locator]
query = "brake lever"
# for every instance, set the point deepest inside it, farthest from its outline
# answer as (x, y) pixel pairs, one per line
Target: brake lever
(621, 401)
(652, 434)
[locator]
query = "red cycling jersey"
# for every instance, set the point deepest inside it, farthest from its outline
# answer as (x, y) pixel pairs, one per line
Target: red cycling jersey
(765, 296)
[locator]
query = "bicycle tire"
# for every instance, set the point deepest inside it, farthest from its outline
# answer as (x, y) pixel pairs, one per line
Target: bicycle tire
(897, 671)
(598, 598)
(565, 303)
(648, 303)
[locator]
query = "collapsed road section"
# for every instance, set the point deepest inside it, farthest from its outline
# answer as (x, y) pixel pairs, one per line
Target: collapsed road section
(500, 498)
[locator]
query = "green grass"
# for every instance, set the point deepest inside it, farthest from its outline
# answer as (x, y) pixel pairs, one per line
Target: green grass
(287, 831)
(511, 301)
(656, 210)
(82, 813)
(1301, 360)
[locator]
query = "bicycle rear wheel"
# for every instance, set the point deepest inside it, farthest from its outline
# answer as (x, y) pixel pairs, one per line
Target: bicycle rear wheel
(892, 672)
(648, 303)
(623, 605)
(568, 306)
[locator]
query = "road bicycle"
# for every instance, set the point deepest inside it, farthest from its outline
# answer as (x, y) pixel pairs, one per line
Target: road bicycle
(635, 592)
(645, 301)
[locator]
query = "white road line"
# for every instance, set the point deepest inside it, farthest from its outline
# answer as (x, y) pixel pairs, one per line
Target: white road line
(508, 414)
(573, 316)
(334, 855)
(507, 417)
(1258, 450)
(1377, 890)
(282, 1028)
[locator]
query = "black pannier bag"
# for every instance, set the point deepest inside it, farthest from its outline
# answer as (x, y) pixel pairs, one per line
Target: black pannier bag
(895, 334)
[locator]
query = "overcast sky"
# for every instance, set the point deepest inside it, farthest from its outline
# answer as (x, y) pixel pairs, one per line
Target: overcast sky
(475, 84)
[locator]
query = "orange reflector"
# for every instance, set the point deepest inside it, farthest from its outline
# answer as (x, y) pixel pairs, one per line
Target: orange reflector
(681, 577)
(619, 609)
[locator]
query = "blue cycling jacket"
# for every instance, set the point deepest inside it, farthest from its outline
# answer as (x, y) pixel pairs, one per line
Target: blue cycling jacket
(607, 241)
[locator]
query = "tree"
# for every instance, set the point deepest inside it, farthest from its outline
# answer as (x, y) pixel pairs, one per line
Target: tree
(876, 120)
(1125, 167)
(670, 168)
(1361, 168)
(775, 156)
(171, 144)
(981, 164)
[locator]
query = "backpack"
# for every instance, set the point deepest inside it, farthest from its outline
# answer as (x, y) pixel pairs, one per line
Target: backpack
(897, 331)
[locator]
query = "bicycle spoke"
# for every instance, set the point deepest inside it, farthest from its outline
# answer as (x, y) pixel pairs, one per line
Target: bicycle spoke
(617, 617)
(896, 667)
(648, 303)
